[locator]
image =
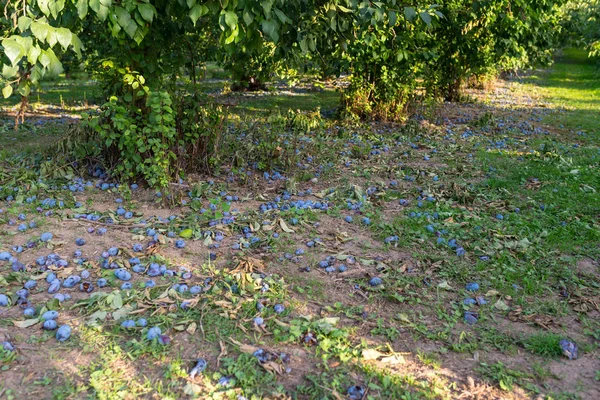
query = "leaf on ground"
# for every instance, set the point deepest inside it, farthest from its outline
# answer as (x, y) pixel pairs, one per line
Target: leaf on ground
(501, 305)
(273, 367)
(191, 329)
(444, 285)
(186, 233)
(121, 313)
(393, 360)
(117, 301)
(403, 317)
(371, 354)
(27, 323)
(191, 389)
(244, 348)
(96, 317)
(285, 227)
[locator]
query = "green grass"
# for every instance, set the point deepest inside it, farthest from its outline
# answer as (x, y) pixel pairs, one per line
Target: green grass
(544, 344)
(571, 83)
(70, 94)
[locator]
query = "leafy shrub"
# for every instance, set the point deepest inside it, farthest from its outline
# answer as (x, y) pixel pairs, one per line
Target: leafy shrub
(142, 134)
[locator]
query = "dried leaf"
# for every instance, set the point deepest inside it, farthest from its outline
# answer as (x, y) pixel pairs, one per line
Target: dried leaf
(501, 305)
(273, 367)
(371, 354)
(393, 360)
(191, 329)
(245, 348)
(285, 227)
(444, 285)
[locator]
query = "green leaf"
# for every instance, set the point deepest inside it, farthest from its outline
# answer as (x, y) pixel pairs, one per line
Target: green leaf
(131, 29)
(501, 305)
(282, 17)
(270, 29)
(425, 17)
(96, 317)
(196, 12)
(248, 16)
(7, 91)
(24, 23)
(9, 72)
(231, 19)
(121, 313)
(43, 5)
(51, 38)
(24, 88)
(303, 45)
(49, 60)
(94, 5)
(267, 5)
(77, 45)
(117, 301)
(392, 17)
(147, 11)
(13, 50)
(40, 30)
(64, 36)
(190, 3)
(186, 233)
(410, 13)
(229, 39)
(103, 13)
(27, 323)
(82, 8)
(123, 17)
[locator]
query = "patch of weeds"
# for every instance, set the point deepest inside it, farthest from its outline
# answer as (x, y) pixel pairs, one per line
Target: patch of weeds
(115, 376)
(245, 373)
(7, 357)
(544, 344)
(541, 372)
(388, 331)
(467, 343)
(67, 390)
(328, 383)
(505, 377)
(500, 340)
(8, 393)
(329, 340)
(432, 360)
(137, 348)
(591, 327)
(386, 385)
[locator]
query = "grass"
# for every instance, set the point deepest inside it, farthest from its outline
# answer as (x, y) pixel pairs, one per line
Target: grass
(544, 344)
(505, 377)
(571, 84)
(521, 203)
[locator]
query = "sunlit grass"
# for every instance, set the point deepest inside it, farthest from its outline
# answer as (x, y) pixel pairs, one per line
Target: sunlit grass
(573, 83)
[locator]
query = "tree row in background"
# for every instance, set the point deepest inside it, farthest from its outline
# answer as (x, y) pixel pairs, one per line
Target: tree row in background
(149, 57)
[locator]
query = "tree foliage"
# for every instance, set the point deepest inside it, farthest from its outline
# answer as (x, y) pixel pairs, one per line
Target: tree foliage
(396, 53)
(581, 25)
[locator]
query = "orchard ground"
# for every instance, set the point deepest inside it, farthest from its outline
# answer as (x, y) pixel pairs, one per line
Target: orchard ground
(501, 191)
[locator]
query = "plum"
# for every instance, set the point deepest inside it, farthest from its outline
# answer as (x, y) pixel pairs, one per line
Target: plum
(63, 333)
(50, 325)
